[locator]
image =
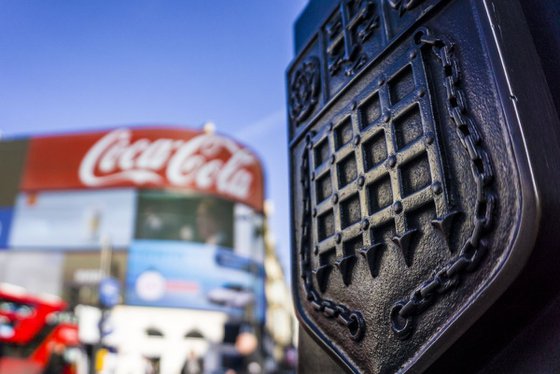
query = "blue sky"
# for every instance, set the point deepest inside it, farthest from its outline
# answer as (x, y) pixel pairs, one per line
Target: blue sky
(82, 64)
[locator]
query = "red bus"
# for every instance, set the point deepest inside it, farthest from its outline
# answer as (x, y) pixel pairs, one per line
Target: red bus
(35, 332)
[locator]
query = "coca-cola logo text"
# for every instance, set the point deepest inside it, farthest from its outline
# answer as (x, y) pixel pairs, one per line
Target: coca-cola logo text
(204, 162)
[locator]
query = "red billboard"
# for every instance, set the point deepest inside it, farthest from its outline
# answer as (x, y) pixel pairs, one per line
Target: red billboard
(145, 158)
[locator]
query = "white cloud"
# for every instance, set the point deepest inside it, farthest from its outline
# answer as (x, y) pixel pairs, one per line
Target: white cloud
(262, 126)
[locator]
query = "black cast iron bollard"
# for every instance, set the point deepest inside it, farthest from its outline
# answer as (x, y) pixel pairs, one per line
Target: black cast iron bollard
(425, 165)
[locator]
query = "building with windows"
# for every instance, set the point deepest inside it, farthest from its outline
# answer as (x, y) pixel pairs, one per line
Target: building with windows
(174, 215)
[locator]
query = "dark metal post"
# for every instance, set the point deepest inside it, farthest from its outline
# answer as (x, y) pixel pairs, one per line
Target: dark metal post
(425, 169)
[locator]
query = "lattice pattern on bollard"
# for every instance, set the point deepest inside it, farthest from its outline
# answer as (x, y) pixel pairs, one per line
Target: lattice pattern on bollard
(404, 312)
(358, 192)
(338, 177)
(353, 320)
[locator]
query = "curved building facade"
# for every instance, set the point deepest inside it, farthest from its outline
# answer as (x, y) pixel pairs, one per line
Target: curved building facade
(175, 215)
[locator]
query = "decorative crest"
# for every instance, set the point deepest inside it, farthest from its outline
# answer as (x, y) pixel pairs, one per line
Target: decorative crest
(304, 90)
(401, 221)
(347, 32)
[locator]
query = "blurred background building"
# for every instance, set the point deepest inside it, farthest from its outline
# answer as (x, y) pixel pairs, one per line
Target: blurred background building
(148, 247)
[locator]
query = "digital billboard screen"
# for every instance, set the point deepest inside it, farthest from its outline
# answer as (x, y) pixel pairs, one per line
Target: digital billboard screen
(183, 208)
(178, 216)
(196, 251)
(73, 220)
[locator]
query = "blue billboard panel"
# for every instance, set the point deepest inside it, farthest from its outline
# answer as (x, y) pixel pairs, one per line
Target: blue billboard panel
(73, 220)
(194, 275)
(6, 215)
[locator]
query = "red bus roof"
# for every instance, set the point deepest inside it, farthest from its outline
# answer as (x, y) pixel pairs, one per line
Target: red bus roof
(25, 313)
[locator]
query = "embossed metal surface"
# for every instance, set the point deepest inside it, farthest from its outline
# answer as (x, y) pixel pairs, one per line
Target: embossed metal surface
(407, 189)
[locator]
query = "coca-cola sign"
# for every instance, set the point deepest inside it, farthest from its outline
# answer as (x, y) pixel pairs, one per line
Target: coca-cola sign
(146, 158)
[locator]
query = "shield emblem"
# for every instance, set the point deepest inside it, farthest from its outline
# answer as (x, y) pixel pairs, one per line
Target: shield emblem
(403, 205)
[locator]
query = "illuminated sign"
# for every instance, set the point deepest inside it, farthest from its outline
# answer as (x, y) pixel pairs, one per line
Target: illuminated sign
(146, 158)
